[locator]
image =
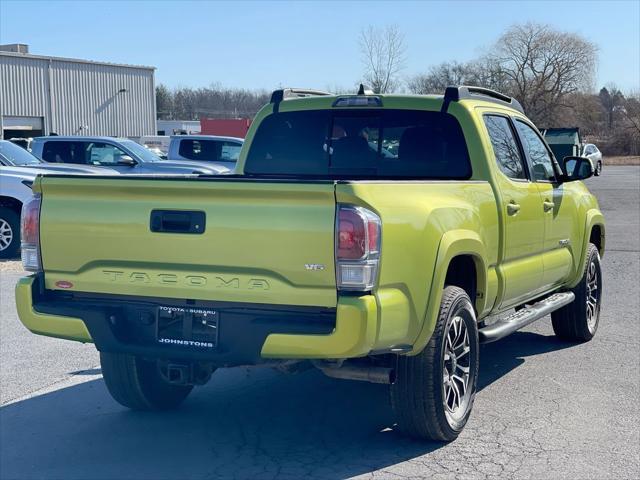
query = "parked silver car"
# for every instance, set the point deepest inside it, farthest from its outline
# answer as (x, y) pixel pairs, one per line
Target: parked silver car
(592, 153)
(120, 154)
(18, 170)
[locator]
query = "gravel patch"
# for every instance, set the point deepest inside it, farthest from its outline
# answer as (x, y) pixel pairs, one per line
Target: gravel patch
(11, 266)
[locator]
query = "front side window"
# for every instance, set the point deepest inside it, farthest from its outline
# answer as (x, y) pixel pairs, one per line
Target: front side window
(539, 157)
(104, 154)
(505, 147)
(369, 143)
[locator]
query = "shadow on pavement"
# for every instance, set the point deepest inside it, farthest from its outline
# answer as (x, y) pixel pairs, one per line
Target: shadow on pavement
(499, 358)
(246, 423)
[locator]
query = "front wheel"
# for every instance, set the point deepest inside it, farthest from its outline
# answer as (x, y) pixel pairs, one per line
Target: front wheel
(578, 321)
(434, 391)
(138, 384)
(598, 169)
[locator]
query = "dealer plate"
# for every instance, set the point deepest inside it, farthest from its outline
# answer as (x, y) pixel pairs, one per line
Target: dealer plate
(189, 327)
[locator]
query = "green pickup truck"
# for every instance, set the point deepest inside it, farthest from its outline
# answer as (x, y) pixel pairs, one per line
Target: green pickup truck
(375, 237)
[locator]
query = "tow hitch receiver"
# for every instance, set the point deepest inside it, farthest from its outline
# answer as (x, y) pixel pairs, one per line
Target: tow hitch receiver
(186, 374)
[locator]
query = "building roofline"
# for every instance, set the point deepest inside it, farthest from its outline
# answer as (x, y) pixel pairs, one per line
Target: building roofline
(72, 60)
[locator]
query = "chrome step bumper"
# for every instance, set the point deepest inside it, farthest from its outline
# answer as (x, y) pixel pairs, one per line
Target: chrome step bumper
(517, 320)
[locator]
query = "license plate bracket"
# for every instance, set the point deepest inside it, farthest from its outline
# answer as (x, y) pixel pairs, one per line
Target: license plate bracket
(190, 327)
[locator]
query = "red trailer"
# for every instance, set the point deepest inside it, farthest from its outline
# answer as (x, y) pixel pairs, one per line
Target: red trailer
(225, 127)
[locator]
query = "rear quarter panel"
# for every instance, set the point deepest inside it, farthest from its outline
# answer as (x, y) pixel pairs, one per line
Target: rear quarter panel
(423, 225)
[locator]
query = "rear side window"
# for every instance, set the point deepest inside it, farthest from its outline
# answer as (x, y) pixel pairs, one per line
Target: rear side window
(65, 152)
(361, 143)
(505, 147)
(209, 150)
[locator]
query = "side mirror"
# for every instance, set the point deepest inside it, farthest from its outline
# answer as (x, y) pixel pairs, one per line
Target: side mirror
(576, 168)
(127, 160)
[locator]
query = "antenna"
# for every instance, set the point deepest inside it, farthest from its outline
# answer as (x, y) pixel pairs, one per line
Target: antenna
(365, 90)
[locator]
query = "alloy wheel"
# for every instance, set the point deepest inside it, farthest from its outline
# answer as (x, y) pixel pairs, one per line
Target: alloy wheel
(456, 369)
(593, 296)
(6, 234)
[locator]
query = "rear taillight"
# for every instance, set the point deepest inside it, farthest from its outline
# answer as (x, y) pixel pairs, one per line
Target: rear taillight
(30, 235)
(358, 234)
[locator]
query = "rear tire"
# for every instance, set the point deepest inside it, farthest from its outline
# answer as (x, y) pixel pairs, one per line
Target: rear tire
(424, 394)
(9, 233)
(138, 384)
(578, 321)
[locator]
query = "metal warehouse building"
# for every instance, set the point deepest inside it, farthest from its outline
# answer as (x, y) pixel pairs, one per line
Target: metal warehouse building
(41, 95)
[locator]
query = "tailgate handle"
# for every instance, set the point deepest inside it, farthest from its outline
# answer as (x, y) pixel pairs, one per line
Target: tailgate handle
(177, 221)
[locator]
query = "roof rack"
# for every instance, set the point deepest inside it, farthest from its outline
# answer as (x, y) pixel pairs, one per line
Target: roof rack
(454, 94)
(282, 94)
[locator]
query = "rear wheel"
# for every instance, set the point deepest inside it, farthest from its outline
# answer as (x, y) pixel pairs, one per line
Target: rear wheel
(139, 384)
(434, 390)
(9, 233)
(579, 320)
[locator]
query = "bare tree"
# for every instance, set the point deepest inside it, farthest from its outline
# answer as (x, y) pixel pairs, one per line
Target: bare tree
(439, 77)
(630, 111)
(484, 72)
(383, 55)
(164, 102)
(611, 99)
(544, 66)
(214, 101)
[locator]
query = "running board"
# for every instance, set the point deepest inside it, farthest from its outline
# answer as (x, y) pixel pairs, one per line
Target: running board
(521, 318)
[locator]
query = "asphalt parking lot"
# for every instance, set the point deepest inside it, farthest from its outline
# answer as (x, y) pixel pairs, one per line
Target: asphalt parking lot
(545, 409)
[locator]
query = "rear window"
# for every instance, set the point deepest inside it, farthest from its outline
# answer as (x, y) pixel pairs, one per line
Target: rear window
(209, 150)
(364, 144)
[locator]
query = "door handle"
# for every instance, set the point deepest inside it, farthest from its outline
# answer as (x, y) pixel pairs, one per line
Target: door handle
(548, 206)
(177, 221)
(512, 208)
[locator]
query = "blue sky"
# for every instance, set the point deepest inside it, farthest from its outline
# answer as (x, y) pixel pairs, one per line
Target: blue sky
(309, 44)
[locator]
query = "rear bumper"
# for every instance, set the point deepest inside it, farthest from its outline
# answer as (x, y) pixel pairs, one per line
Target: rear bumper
(248, 334)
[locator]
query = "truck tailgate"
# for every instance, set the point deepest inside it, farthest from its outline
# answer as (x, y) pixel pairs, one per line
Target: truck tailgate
(267, 242)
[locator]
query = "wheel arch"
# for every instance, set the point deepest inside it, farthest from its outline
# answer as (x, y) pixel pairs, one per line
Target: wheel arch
(596, 236)
(594, 232)
(12, 203)
(461, 253)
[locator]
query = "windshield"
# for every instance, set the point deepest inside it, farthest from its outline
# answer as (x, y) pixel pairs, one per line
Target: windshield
(17, 156)
(141, 152)
(363, 143)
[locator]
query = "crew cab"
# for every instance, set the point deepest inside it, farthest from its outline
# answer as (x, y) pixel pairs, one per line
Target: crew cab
(222, 151)
(119, 154)
(375, 237)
